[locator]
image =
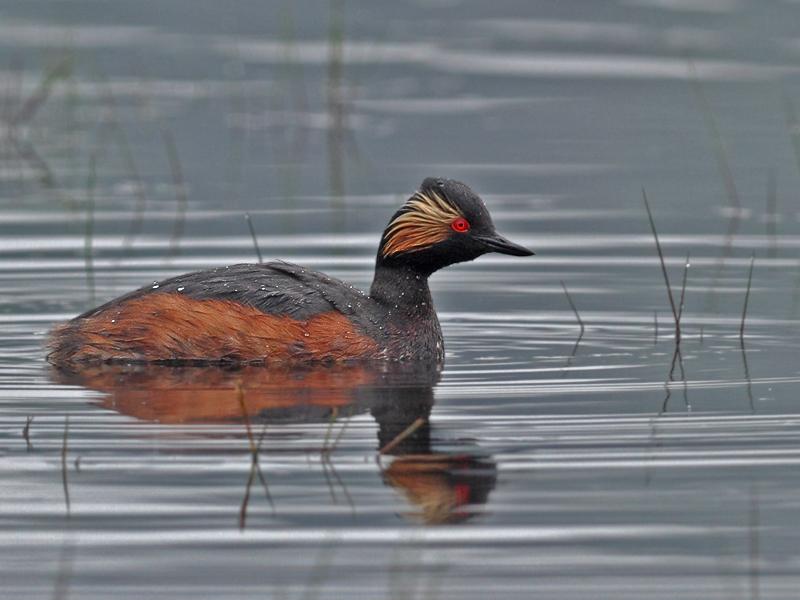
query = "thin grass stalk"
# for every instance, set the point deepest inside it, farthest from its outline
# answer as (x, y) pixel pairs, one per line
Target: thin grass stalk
(720, 152)
(682, 301)
(771, 216)
(253, 236)
(663, 268)
(792, 127)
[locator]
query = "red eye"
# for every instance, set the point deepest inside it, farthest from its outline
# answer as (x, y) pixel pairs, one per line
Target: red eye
(460, 225)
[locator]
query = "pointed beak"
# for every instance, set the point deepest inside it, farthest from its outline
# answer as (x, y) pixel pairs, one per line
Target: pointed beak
(497, 243)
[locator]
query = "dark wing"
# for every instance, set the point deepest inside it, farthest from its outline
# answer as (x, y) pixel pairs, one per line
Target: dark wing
(276, 288)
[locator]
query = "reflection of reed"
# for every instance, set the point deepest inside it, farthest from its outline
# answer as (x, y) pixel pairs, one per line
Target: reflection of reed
(580, 333)
(255, 471)
(32, 158)
(64, 479)
(748, 379)
(754, 542)
(36, 100)
(655, 327)
(741, 335)
(319, 571)
(746, 298)
(332, 475)
(326, 453)
(328, 468)
(677, 360)
(26, 433)
(66, 560)
(14, 119)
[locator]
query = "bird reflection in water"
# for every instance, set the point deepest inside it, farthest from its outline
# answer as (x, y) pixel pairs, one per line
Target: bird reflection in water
(443, 486)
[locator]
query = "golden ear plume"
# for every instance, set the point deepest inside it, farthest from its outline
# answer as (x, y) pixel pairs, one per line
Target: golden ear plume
(424, 222)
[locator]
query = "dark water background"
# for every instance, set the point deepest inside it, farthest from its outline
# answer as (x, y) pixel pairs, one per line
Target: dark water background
(136, 135)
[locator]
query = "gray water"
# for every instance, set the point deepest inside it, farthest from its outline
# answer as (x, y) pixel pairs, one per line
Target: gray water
(544, 462)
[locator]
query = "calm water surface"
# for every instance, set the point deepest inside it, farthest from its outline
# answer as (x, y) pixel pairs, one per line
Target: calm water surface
(541, 462)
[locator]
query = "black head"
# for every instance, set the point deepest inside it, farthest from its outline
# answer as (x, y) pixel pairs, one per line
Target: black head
(443, 223)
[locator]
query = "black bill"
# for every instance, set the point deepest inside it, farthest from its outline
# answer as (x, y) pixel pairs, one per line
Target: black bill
(498, 243)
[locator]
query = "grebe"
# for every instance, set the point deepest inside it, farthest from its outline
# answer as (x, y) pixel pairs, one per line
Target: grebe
(283, 313)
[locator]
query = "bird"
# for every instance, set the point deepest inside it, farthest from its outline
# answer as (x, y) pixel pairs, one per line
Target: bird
(282, 313)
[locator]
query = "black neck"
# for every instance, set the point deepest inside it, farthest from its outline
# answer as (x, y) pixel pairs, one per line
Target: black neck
(401, 286)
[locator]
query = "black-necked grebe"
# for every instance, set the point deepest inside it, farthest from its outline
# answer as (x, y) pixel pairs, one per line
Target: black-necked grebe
(280, 312)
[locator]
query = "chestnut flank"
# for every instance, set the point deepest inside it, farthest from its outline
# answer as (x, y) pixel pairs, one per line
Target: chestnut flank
(163, 327)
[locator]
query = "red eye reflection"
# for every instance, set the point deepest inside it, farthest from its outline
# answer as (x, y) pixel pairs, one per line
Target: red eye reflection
(460, 225)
